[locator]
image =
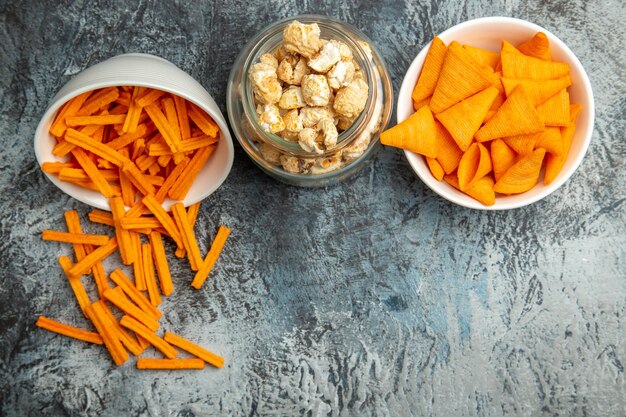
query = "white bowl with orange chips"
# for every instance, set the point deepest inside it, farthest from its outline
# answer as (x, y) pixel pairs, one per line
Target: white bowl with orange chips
(140, 70)
(488, 33)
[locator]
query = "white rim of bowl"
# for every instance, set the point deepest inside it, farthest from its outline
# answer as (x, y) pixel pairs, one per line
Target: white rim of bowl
(408, 83)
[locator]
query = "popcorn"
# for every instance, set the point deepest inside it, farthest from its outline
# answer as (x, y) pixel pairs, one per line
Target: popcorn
(270, 119)
(293, 121)
(328, 56)
(291, 69)
(308, 140)
(269, 153)
(291, 98)
(328, 131)
(265, 84)
(301, 38)
(315, 90)
(341, 74)
(310, 116)
(351, 99)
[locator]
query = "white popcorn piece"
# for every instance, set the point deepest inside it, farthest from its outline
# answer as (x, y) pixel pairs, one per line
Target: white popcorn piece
(344, 123)
(292, 68)
(293, 121)
(328, 56)
(351, 99)
(308, 139)
(310, 116)
(270, 119)
(315, 90)
(366, 48)
(296, 165)
(301, 38)
(269, 59)
(341, 74)
(327, 164)
(265, 84)
(291, 98)
(328, 130)
(269, 153)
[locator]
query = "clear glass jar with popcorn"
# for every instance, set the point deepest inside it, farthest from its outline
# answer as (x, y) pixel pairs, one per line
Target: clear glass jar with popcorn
(307, 99)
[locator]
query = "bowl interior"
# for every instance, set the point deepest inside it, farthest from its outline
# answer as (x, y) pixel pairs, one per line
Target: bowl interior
(487, 33)
(214, 171)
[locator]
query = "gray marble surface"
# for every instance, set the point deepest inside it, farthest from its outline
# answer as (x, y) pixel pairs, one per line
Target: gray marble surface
(371, 298)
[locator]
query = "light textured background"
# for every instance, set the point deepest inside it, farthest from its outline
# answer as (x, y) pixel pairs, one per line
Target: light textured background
(371, 298)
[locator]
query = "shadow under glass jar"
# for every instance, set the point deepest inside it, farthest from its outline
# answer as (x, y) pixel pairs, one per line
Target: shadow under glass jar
(355, 146)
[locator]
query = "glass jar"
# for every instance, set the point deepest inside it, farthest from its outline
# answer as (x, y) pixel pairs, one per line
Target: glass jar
(355, 146)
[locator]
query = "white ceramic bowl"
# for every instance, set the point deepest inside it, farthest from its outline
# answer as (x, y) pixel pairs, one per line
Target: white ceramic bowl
(147, 71)
(487, 33)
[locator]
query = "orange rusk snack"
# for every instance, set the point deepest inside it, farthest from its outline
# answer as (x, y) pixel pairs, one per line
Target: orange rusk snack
(184, 182)
(85, 264)
(109, 119)
(168, 224)
(77, 238)
(202, 120)
(70, 331)
(92, 171)
(160, 261)
(194, 349)
(77, 286)
(118, 277)
(127, 339)
(187, 235)
(123, 237)
(106, 329)
(148, 273)
(211, 257)
(70, 109)
(187, 363)
(141, 330)
(117, 297)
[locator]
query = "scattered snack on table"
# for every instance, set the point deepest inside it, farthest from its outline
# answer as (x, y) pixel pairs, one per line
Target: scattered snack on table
(153, 147)
(500, 118)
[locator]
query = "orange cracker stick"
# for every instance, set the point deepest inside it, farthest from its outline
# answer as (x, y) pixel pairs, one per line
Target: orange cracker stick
(194, 349)
(203, 120)
(187, 363)
(149, 97)
(148, 272)
(162, 124)
(141, 330)
(136, 210)
(70, 109)
(144, 162)
(126, 185)
(187, 235)
(138, 270)
(118, 277)
(55, 167)
(172, 118)
(92, 171)
(183, 183)
(198, 142)
(192, 213)
(69, 331)
(99, 100)
(131, 223)
(183, 119)
(102, 217)
(155, 208)
(138, 179)
(160, 261)
(123, 238)
(73, 226)
(171, 179)
(117, 297)
(107, 331)
(103, 151)
(211, 257)
(88, 261)
(77, 286)
(77, 238)
(78, 174)
(127, 339)
(128, 138)
(164, 160)
(134, 111)
(109, 119)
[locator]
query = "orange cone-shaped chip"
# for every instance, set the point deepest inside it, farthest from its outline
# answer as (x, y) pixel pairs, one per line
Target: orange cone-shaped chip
(502, 157)
(475, 164)
(517, 65)
(555, 110)
(522, 176)
(464, 118)
(415, 134)
(523, 144)
(460, 78)
(430, 71)
(435, 168)
(538, 90)
(538, 46)
(516, 116)
(448, 152)
(481, 190)
(550, 140)
(483, 56)
(554, 163)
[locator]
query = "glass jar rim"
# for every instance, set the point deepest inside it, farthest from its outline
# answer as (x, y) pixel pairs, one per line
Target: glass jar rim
(336, 26)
